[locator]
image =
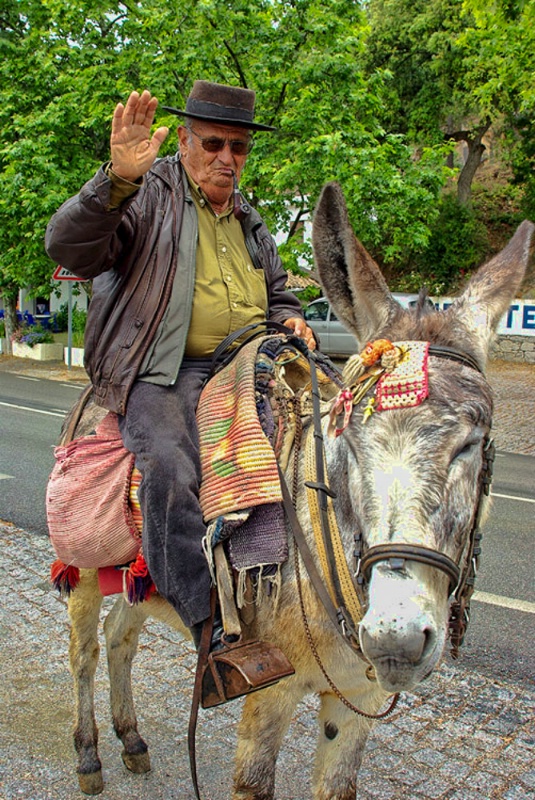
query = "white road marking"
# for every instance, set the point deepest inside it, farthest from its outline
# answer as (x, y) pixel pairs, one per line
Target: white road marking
(78, 386)
(504, 602)
(512, 497)
(35, 410)
(25, 378)
(4, 477)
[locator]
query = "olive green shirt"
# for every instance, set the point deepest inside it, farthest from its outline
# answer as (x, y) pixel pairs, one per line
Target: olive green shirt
(229, 292)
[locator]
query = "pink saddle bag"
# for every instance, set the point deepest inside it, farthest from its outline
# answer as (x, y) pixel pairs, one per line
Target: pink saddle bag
(87, 501)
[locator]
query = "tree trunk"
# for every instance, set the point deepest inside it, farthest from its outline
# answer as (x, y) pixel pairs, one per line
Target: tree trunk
(10, 316)
(476, 148)
(466, 175)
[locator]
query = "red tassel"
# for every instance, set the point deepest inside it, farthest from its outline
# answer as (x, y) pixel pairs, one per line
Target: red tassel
(64, 578)
(139, 585)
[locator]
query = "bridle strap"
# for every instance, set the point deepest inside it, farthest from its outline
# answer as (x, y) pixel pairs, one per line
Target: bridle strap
(460, 608)
(441, 351)
(340, 579)
(320, 484)
(397, 553)
(302, 549)
(333, 561)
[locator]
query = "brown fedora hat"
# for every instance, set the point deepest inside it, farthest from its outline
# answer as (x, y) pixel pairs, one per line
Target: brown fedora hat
(226, 105)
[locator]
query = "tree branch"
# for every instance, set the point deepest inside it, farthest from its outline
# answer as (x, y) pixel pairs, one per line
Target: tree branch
(232, 54)
(469, 136)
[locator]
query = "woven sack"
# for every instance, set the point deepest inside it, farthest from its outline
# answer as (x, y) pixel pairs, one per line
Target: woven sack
(87, 500)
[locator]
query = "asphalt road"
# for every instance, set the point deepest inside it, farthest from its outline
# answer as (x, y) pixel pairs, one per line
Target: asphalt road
(500, 640)
(31, 414)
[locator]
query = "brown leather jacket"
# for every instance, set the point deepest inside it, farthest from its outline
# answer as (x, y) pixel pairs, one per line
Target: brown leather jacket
(131, 255)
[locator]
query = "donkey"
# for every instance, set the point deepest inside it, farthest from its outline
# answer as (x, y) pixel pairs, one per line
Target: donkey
(406, 488)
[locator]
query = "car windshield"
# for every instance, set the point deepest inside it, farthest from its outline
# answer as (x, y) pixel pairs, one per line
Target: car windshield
(317, 311)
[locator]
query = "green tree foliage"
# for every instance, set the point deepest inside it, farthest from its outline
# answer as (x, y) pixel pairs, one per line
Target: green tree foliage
(53, 135)
(505, 34)
(63, 67)
(458, 69)
(457, 245)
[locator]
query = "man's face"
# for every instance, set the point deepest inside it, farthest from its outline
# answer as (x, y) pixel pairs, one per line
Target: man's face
(213, 171)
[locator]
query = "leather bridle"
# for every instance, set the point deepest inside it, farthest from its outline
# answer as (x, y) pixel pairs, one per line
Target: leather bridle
(397, 553)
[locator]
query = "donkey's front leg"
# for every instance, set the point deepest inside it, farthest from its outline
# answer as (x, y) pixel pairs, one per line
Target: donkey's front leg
(265, 719)
(342, 738)
(122, 628)
(84, 607)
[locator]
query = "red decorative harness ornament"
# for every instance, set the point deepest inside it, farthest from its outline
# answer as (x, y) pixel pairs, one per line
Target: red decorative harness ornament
(399, 372)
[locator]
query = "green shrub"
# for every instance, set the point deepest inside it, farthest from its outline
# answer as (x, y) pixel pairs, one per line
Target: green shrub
(62, 318)
(458, 244)
(79, 319)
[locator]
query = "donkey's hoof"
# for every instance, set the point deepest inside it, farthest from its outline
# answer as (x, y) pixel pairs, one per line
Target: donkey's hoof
(91, 783)
(136, 762)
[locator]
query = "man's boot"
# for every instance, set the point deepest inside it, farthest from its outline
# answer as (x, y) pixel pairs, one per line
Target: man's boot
(218, 632)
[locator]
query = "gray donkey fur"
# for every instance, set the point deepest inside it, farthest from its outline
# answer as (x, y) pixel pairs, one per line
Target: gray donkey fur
(408, 475)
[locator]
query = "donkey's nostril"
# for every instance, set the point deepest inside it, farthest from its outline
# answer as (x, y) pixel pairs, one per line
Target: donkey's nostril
(429, 640)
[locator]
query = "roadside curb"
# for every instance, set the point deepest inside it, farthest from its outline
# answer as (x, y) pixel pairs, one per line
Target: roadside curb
(48, 370)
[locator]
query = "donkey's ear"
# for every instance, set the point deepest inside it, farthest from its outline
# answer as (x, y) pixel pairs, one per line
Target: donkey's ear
(350, 278)
(490, 290)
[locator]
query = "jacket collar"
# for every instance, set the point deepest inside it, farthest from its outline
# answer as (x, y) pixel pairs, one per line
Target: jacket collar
(171, 172)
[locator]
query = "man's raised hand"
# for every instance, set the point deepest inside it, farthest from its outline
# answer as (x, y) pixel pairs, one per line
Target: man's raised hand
(133, 150)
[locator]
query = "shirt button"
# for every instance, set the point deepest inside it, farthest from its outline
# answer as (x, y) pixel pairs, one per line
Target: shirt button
(229, 278)
(223, 249)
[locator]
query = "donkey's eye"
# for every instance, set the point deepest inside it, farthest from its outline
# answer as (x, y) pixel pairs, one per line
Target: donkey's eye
(466, 450)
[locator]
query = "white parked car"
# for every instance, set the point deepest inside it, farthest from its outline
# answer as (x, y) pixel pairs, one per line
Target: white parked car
(335, 340)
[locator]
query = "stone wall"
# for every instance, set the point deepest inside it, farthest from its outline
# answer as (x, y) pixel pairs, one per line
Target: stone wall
(515, 348)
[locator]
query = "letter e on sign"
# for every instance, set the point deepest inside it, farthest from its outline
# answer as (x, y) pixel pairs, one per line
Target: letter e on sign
(529, 317)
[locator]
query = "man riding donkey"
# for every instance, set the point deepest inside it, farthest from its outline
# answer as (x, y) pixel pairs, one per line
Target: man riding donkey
(178, 262)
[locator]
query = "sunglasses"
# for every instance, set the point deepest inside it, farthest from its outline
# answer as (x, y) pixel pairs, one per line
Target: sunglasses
(214, 144)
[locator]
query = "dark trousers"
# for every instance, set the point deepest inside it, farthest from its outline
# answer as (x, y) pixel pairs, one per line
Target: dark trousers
(160, 429)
